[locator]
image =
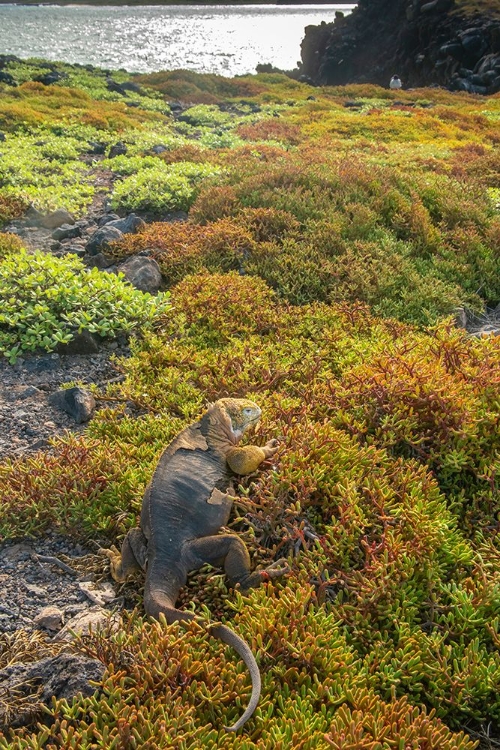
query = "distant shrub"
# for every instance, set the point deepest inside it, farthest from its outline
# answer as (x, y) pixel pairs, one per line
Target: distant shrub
(9, 243)
(271, 130)
(201, 88)
(129, 165)
(267, 224)
(34, 105)
(11, 207)
(46, 300)
(184, 248)
(214, 202)
(189, 152)
(241, 305)
(161, 188)
(206, 116)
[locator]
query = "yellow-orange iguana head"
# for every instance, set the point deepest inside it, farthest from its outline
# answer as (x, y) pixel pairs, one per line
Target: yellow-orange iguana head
(241, 413)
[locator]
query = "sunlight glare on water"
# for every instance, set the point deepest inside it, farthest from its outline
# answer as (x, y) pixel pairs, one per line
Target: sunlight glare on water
(230, 40)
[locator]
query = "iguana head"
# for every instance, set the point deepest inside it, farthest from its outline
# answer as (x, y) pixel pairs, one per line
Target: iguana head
(241, 412)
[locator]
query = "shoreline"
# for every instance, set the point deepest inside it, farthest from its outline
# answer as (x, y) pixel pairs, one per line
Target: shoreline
(98, 3)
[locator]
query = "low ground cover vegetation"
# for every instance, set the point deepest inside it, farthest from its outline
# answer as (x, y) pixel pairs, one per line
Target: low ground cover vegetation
(329, 240)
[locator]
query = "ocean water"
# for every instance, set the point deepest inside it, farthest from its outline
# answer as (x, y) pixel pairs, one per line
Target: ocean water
(229, 40)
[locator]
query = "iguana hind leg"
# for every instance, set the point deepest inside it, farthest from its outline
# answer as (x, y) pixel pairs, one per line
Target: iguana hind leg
(229, 551)
(133, 556)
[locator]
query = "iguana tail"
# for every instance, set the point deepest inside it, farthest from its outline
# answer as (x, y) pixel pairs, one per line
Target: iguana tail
(157, 602)
(228, 636)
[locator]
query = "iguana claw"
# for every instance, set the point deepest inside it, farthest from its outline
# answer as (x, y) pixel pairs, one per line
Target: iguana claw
(277, 568)
(115, 560)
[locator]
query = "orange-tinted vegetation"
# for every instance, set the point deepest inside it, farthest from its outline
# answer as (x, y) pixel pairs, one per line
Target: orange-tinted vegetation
(330, 238)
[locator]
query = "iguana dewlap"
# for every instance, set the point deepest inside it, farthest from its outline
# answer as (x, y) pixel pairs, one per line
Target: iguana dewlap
(184, 507)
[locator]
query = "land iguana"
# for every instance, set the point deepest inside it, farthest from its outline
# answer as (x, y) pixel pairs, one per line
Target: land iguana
(184, 506)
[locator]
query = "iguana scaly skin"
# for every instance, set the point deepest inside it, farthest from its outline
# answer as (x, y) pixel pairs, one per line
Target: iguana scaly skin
(184, 507)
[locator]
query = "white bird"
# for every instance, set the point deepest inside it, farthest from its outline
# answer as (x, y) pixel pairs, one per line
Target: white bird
(395, 82)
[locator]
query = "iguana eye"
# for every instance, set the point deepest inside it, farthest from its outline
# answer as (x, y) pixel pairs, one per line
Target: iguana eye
(247, 410)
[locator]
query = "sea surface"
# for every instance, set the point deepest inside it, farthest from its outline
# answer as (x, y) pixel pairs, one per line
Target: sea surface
(229, 40)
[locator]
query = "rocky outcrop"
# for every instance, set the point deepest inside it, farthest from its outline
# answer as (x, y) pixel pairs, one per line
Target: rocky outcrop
(424, 42)
(26, 686)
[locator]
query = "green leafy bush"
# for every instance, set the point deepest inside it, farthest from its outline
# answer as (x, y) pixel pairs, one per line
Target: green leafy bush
(206, 115)
(46, 300)
(161, 188)
(44, 169)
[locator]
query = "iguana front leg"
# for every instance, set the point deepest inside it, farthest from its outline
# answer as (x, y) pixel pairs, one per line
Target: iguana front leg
(246, 459)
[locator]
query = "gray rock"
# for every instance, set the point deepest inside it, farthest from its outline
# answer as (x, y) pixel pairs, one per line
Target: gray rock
(77, 402)
(57, 219)
(101, 239)
(142, 272)
(49, 78)
(102, 261)
(159, 149)
(35, 590)
(479, 324)
(134, 87)
(62, 676)
(7, 78)
(488, 63)
(94, 619)
(119, 149)
(28, 392)
(130, 224)
(100, 594)
(67, 232)
(97, 148)
(33, 217)
(17, 552)
(81, 343)
(50, 618)
(106, 218)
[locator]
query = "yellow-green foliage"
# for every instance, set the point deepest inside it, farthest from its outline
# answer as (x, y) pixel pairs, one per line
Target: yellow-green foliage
(199, 88)
(46, 301)
(384, 493)
(411, 246)
(9, 243)
(224, 245)
(34, 104)
(490, 7)
(389, 445)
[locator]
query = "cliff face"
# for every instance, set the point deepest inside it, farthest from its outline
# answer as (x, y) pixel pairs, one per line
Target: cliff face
(423, 42)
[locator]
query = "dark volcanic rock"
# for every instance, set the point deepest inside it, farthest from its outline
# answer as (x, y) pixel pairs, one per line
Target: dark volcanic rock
(119, 149)
(130, 224)
(81, 343)
(142, 272)
(425, 43)
(67, 232)
(77, 402)
(101, 238)
(7, 78)
(62, 676)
